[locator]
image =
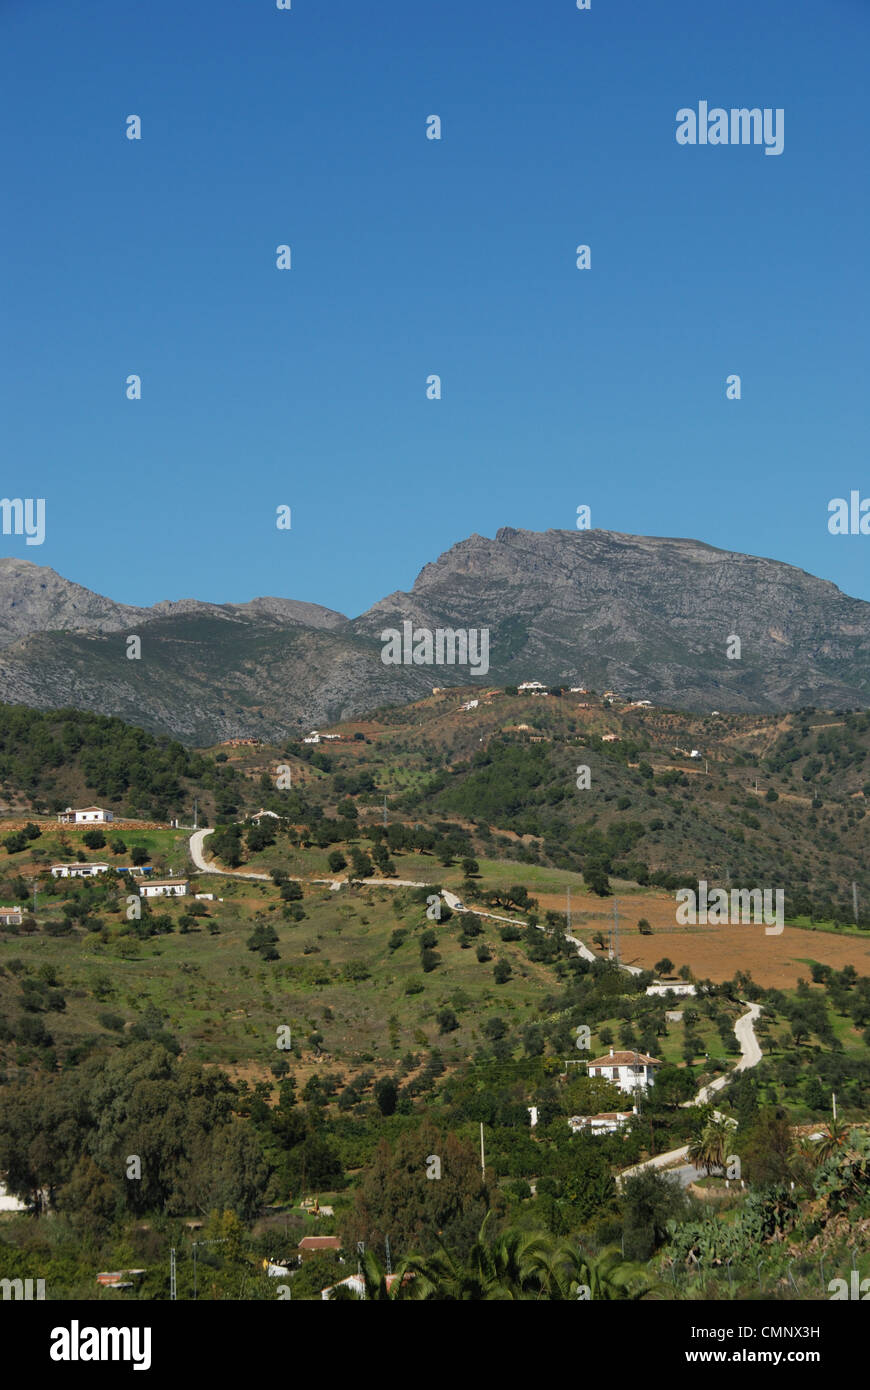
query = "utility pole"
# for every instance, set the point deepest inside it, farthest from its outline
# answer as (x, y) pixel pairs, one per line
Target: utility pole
(385, 809)
(834, 1105)
(854, 900)
(194, 812)
(172, 1274)
(389, 1261)
(482, 1158)
(616, 927)
(222, 1241)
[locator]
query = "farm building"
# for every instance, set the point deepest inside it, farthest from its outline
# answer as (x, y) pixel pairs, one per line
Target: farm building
(164, 888)
(85, 815)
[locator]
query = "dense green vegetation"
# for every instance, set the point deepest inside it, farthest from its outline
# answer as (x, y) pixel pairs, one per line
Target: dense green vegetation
(219, 1060)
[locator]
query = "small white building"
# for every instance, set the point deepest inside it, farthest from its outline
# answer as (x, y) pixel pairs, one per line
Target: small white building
(260, 814)
(531, 685)
(164, 888)
(78, 870)
(10, 916)
(695, 753)
(671, 989)
(470, 704)
(85, 815)
(313, 737)
(606, 1123)
(630, 1071)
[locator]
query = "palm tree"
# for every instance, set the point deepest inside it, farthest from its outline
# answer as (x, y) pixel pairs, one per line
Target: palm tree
(709, 1148)
(832, 1141)
(608, 1276)
(517, 1265)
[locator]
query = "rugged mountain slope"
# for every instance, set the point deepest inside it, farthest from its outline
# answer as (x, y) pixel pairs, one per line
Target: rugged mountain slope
(646, 616)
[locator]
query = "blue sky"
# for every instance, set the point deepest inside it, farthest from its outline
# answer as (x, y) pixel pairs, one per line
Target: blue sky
(411, 257)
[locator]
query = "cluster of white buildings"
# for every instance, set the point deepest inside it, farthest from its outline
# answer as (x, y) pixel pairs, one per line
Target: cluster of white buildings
(150, 888)
(632, 1072)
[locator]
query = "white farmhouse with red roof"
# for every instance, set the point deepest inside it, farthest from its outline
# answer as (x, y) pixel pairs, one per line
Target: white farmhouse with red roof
(630, 1071)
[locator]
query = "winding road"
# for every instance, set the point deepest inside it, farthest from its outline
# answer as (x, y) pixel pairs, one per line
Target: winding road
(744, 1027)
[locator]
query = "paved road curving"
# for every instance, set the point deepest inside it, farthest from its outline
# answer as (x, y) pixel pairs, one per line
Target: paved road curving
(744, 1028)
(751, 1054)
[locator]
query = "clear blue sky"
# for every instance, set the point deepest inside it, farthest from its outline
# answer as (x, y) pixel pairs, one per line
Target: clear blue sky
(412, 257)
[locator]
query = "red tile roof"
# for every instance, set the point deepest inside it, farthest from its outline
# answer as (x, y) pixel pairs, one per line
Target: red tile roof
(625, 1059)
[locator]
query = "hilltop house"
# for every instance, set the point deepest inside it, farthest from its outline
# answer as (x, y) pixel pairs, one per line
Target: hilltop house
(260, 814)
(531, 685)
(85, 815)
(78, 870)
(470, 704)
(671, 989)
(313, 737)
(164, 888)
(630, 1071)
(10, 916)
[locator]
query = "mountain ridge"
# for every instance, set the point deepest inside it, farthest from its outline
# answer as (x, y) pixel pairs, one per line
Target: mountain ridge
(651, 617)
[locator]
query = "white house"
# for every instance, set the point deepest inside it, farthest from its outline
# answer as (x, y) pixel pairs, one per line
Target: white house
(695, 753)
(164, 887)
(260, 814)
(606, 1123)
(10, 916)
(78, 870)
(470, 704)
(671, 989)
(85, 815)
(630, 1071)
(531, 685)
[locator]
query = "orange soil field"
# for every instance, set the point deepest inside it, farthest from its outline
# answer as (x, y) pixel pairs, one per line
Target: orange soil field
(712, 952)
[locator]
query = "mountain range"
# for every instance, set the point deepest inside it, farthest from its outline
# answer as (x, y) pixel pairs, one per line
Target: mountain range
(649, 617)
